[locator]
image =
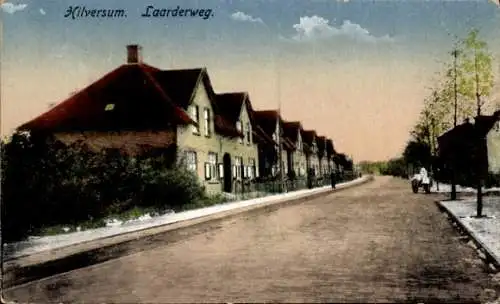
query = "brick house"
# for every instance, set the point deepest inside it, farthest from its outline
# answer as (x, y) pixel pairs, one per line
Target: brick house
(137, 107)
(330, 152)
(293, 131)
(471, 148)
(311, 151)
(272, 125)
(322, 155)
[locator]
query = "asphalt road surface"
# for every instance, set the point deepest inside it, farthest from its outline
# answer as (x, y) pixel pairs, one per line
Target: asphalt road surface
(374, 243)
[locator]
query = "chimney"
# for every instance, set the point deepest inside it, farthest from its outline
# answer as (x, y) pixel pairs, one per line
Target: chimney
(134, 54)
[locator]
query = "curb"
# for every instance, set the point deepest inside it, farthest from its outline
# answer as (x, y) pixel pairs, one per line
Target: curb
(26, 269)
(489, 257)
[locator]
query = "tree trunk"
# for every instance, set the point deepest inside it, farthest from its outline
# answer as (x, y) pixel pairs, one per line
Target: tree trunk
(480, 198)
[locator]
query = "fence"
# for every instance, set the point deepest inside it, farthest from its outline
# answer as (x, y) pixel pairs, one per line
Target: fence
(248, 189)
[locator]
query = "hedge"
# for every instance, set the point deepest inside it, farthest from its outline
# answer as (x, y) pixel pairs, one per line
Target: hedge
(45, 183)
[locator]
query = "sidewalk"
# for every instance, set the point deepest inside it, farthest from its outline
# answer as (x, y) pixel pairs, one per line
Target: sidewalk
(40, 244)
(485, 231)
(446, 188)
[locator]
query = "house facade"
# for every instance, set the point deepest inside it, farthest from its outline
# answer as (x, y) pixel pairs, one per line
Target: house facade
(293, 131)
(272, 125)
(220, 147)
(330, 152)
(471, 148)
(311, 151)
(322, 155)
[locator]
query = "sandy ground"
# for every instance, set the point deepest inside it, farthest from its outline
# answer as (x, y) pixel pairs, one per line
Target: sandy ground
(374, 243)
(42, 244)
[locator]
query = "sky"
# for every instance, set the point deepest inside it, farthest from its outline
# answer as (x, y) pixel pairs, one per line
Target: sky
(355, 71)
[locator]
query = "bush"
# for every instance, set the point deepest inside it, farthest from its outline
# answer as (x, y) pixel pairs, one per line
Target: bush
(45, 183)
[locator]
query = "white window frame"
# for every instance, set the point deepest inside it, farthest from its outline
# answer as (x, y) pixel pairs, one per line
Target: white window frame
(239, 128)
(249, 133)
(191, 161)
(195, 115)
(253, 168)
(221, 170)
(206, 117)
(238, 162)
(211, 166)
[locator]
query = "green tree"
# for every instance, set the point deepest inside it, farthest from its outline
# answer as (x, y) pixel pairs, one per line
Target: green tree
(475, 76)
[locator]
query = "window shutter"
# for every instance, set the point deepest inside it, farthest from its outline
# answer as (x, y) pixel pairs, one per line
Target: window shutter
(207, 171)
(234, 171)
(221, 171)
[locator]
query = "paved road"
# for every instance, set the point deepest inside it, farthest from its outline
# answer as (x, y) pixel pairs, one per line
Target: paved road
(373, 243)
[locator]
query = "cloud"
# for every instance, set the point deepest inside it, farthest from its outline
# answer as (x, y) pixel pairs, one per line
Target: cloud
(42, 11)
(315, 27)
(11, 8)
(240, 16)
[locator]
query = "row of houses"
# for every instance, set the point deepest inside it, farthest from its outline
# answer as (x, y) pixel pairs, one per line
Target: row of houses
(220, 136)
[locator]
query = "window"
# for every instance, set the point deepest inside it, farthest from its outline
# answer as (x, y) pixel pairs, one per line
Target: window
(238, 127)
(206, 116)
(238, 161)
(191, 162)
(252, 169)
(249, 133)
(211, 166)
(109, 107)
(195, 115)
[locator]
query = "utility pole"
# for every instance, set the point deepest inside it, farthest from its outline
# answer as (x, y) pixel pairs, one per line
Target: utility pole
(2, 207)
(455, 110)
(479, 156)
(279, 135)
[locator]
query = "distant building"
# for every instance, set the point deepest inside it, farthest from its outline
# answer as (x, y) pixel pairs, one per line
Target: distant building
(471, 148)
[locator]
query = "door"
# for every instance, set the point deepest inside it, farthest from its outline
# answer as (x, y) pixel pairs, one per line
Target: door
(228, 176)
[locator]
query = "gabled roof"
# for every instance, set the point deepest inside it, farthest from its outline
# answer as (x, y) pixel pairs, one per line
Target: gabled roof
(262, 137)
(330, 149)
(229, 105)
(308, 136)
(126, 98)
(321, 141)
(267, 120)
(465, 134)
(142, 97)
(182, 84)
(292, 129)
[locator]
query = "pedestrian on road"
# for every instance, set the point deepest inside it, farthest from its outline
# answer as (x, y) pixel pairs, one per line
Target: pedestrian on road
(333, 179)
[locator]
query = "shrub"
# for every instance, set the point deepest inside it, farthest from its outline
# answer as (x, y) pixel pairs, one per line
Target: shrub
(45, 183)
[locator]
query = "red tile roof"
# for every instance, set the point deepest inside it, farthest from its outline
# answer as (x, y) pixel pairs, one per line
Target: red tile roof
(144, 97)
(139, 102)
